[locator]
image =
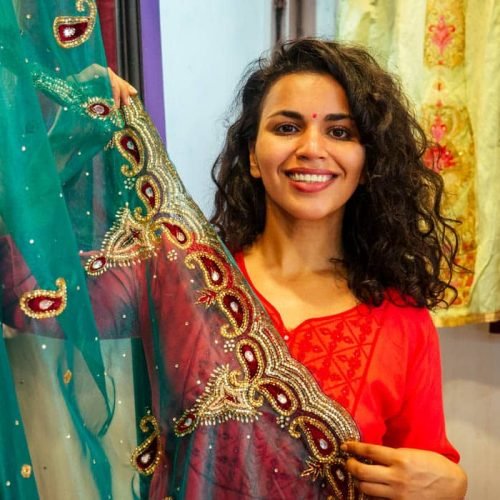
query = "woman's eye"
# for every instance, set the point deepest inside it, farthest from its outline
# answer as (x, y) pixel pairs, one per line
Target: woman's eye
(340, 133)
(286, 128)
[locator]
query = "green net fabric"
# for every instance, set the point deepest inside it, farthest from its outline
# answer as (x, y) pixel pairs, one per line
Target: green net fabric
(135, 361)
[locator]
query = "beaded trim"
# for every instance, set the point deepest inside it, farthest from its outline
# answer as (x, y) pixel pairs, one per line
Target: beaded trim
(147, 455)
(41, 304)
(72, 31)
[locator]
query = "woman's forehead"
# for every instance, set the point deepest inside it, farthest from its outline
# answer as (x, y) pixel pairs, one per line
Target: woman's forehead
(310, 92)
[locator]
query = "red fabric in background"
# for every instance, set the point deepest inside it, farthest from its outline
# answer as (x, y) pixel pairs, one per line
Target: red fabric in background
(108, 27)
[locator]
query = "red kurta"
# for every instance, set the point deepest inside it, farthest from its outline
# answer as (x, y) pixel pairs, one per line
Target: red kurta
(382, 364)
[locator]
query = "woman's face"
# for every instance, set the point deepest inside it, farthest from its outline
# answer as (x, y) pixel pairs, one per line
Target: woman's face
(307, 151)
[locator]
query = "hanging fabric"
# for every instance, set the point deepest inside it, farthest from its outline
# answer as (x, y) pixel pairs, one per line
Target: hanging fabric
(135, 360)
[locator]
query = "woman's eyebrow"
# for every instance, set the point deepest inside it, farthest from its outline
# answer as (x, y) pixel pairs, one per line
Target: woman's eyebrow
(334, 117)
(331, 117)
(288, 114)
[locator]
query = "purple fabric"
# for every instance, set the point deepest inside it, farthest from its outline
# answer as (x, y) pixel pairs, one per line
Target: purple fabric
(152, 64)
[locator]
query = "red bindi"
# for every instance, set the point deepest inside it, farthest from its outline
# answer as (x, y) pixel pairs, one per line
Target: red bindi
(315, 115)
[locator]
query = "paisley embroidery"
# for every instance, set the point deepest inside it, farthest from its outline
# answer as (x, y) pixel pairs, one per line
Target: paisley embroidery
(147, 455)
(72, 31)
(136, 233)
(238, 394)
(130, 146)
(98, 109)
(41, 304)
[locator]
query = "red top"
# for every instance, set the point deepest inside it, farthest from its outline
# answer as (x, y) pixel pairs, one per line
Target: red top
(381, 363)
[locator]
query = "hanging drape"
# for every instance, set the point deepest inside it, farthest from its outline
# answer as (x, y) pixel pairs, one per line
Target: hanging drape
(447, 55)
(135, 361)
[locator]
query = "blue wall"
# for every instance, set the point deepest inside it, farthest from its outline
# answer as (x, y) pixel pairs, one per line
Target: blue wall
(206, 46)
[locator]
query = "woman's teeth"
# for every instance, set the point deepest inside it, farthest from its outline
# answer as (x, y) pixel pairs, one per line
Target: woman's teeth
(310, 177)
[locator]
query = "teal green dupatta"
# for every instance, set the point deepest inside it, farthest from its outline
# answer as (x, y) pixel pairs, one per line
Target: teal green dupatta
(135, 360)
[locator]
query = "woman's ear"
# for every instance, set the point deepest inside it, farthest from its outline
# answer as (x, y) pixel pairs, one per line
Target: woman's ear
(254, 166)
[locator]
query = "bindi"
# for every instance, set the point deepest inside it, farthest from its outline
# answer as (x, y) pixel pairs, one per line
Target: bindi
(314, 116)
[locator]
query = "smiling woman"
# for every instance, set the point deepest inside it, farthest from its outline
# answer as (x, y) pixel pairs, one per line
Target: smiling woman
(336, 223)
(309, 166)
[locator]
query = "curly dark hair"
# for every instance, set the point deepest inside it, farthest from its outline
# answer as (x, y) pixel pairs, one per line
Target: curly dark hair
(394, 234)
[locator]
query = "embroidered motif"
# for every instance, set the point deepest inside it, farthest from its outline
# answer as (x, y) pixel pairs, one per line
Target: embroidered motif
(452, 154)
(224, 398)
(446, 120)
(41, 304)
(336, 355)
(445, 35)
(131, 147)
(72, 31)
(232, 300)
(127, 243)
(97, 108)
(137, 233)
(147, 455)
(70, 97)
(238, 394)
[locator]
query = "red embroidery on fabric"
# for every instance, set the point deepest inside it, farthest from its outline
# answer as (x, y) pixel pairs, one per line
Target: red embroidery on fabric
(439, 158)
(130, 145)
(99, 108)
(438, 129)
(442, 34)
(70, 32)
(337, 352)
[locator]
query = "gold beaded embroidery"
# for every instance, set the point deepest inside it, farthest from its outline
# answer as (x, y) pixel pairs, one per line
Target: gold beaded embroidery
(147, 455)
(41, 304)
(72, 31)
(223, 399)
(70, 97)
(238, 394)
(130, 146)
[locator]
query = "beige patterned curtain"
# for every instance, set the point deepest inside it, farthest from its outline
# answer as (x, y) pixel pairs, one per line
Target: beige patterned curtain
(447, 53)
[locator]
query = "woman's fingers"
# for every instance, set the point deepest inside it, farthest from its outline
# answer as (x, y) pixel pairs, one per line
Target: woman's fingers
(121, 89)
(383, 455)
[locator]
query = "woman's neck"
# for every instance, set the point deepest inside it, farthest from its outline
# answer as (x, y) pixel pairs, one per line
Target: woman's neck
(298, 247)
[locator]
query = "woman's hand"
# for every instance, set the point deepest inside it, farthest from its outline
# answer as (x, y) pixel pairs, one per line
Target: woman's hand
(405, 474)
(122, 90)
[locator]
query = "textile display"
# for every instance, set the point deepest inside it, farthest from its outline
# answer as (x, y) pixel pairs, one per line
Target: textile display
(135, 360)
(446, 53)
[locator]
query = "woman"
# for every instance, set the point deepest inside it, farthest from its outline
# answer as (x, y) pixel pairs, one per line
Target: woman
(333, 218)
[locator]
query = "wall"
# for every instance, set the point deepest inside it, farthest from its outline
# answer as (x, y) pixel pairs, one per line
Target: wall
(206, 47)
(471, 377)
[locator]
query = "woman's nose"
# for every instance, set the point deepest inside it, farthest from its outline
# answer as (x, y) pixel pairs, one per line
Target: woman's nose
(311, 144)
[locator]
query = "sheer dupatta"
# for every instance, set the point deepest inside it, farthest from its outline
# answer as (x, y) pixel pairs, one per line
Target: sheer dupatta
(136, 361)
